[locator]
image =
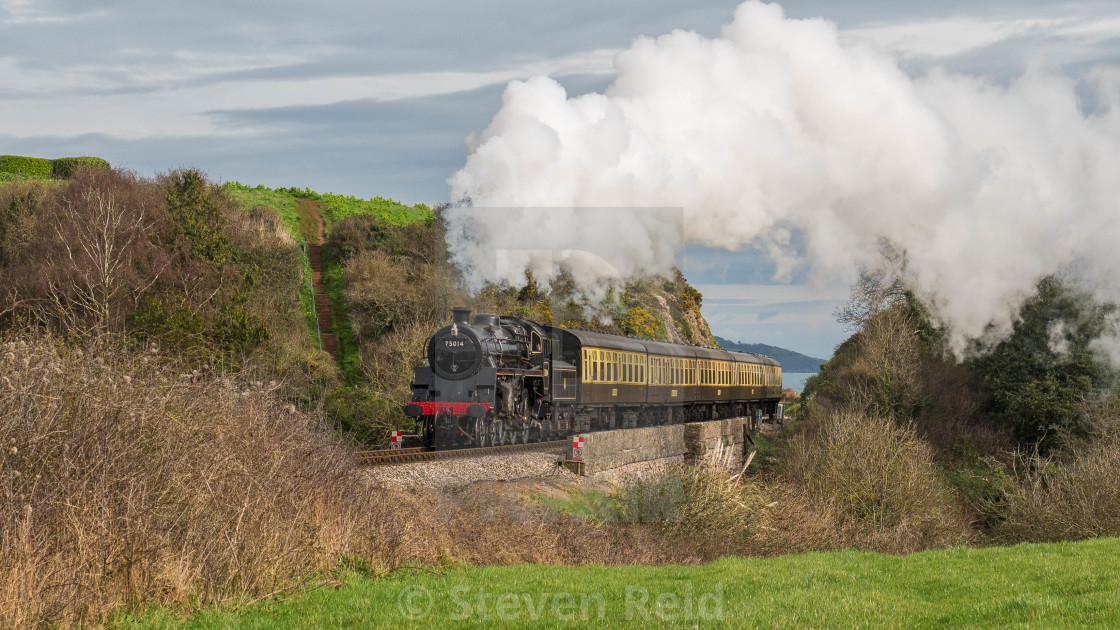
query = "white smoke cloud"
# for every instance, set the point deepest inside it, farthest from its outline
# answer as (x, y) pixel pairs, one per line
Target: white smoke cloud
(779, 125)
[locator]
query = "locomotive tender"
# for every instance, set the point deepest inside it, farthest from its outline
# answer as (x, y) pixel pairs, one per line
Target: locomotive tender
(495, 380)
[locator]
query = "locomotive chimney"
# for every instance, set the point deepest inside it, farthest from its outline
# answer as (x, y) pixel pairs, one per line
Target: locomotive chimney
(461, 315)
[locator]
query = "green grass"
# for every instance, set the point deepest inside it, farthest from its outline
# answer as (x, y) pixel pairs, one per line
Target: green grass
(283, 203)
(338, 207)
(335, 207)
(585, 504)
(16, 178)
(1027, 586)
(349, 356)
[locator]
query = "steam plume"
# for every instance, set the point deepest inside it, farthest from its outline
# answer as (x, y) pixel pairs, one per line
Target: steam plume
(777, 126)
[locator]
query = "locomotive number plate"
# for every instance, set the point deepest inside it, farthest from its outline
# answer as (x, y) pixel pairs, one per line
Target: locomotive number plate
(452, 344)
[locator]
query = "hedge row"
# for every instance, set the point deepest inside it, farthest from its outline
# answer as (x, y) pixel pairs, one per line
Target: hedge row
(65, 167)
(42, 167)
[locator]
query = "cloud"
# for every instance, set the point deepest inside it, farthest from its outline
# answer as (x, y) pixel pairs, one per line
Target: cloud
(780, 130)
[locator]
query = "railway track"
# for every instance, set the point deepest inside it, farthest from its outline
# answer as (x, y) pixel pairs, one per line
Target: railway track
(389, 457)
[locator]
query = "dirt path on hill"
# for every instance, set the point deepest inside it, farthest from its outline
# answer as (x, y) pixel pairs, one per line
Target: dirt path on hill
(314, 231)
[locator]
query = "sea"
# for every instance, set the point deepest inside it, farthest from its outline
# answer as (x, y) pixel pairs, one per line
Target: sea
(796, 380)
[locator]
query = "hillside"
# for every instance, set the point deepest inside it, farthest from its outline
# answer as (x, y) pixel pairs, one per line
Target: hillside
(791, 361)
(385, 270)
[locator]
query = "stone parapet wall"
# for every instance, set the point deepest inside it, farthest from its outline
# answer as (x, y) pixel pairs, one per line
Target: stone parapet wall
(717, 441)
(604, 450)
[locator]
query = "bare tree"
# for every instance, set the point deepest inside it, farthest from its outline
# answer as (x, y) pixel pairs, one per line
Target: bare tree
(99, 240)
(878, 289)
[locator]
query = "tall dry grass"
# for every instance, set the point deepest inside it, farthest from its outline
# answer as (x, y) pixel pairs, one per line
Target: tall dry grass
(124, 481)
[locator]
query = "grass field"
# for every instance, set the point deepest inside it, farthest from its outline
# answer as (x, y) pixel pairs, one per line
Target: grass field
(334, 207)
(1027, 586)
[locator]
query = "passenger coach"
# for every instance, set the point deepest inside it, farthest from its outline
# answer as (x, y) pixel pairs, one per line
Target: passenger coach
(608, 381)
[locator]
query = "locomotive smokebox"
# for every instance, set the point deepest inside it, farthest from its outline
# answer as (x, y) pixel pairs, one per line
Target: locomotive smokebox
(461, 315)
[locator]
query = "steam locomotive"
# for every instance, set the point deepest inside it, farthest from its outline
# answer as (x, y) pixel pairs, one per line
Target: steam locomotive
(494, 380)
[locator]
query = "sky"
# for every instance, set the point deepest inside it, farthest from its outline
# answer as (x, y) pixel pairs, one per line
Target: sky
(374, 98)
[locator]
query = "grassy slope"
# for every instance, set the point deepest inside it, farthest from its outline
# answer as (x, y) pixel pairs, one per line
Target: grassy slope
(1053, 585)
(285, 205)
(334, 208)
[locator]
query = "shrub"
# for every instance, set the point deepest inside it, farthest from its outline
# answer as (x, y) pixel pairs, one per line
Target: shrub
(384, 293)
(358, 234)
(18, 205)
(879, 479)
(640, 323)
(125, 480)
(198, 215)
(29, 166)
(64, 168)
(1053, 500)
(694, 502)
(367, 417)
(1039, 378)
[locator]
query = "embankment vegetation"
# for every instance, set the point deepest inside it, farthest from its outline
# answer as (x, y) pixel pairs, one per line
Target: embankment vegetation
(171, 435)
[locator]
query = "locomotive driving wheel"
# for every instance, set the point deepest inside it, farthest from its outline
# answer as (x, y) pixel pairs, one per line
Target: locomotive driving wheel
(478, 432)
(495, 433)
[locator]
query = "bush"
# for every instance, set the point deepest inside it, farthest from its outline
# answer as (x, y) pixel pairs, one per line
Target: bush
(386, 293)
(694, 502)
(1064, 500)
(29, 166)
(367, 417)
(358, 234)
(64, 168)
(1039, 378)
(879, 479)
(124, 480)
